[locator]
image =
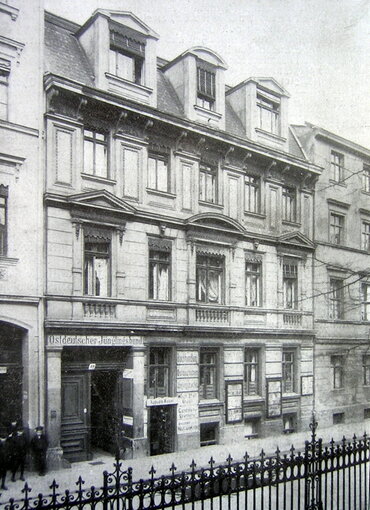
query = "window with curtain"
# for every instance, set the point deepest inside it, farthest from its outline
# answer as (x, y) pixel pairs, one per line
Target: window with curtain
(208, 183)
(290, 284)
(159, 274)
(268, 113)
(365, 301)
(209, 278)
(253, 283)
(96, 266)
(127, 54)
(251, 372)
(337, 365)
(288, 368)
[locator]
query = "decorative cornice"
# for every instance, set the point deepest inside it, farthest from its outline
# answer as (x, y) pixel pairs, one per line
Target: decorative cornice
(9, 9)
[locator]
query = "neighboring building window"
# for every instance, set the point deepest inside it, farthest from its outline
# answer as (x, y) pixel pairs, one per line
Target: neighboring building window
(290, 284)
(365, 301)
(269, 113)
(208, 183)
(252, 193)
(289, 204)
(336, 298)
(3, 220)
(159, 372)
(337, 364)
(159, 274)
(288, 367)
(366, 178)
(206, 87)
(251, 372)
(4, 78)
(336, 233)
(207, 374)
(208, 434)
(253, 272)
(366, 369)
(158, 176)
(95, 153)
(96, 266)
(336, 166)
(289, 423)
(209, 278)
(365, 236)
(338, 418)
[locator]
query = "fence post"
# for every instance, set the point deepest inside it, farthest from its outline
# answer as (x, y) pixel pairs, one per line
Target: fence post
(312, 465)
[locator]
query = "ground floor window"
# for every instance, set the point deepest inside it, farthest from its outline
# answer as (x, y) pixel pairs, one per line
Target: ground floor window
(207, 374)
(208, 434)
(252, 428)
(338, 418)
(289, 423)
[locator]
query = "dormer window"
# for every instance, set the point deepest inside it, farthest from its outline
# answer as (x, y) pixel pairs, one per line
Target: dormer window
(126, 55)
(268, 113)
(206, 86)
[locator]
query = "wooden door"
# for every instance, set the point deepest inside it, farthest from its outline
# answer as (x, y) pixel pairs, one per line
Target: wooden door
(75, 434)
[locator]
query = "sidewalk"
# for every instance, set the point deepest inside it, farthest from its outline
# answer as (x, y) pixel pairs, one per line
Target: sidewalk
(92, 471)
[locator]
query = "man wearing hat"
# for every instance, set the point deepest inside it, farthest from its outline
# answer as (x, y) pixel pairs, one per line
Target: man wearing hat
(18, 450)
(4, 459)
(39, 446)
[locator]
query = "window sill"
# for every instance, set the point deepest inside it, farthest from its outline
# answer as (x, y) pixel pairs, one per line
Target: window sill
(295, 224)
(129, 83)
(253, 398)
(203, 402)
(160, 193)
(291, 394)
(211, 204)
(97, 178)
(8, 9)
(271, 135)
(255, 214)
(210, 113)
(8, 261)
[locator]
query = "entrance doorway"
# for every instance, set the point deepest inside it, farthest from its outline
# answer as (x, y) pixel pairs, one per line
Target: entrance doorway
(162, 425)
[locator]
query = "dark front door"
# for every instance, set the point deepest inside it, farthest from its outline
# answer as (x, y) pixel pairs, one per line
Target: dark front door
(162, 429)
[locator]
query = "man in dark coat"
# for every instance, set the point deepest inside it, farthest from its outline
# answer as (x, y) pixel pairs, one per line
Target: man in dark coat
(18, 446)
(39, 446)
(4, 460)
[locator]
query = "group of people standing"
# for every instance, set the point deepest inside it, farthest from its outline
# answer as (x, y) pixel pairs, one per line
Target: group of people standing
(15, 445)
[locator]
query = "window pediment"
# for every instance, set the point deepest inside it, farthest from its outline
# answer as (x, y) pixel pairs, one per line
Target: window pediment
(101, 199)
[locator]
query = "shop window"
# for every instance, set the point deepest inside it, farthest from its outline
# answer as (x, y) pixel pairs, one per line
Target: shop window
(253, 272)
(208, 434)
(252, 428)
(366, 178)
(159, 372)
(336, 299)
(252, 194)
(365, 237)
(338, 418)
(3, 220)
(336, 166)
(289, 196)
(268, 113)
(288, 370)
(208, 371)
(366, 369)
(95, 153)
(289, 423)
(251, 372)
(160, 269)
(337, 367)
(290, 284)
(336, 229)
(208, 183)
(365, 301)
(158, 172)
(206, 86)
(97, 263)
(209, 278)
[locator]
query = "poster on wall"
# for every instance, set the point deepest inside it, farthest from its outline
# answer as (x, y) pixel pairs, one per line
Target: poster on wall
(234, 401)
(307, 385)
(273, 394)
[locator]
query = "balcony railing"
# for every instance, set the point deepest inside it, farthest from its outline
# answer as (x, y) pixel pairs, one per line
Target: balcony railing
(99, 310)
(211, 315)
(292, 319)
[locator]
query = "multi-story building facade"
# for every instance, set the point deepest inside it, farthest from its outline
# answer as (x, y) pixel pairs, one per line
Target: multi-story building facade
(341, 275)
(21, 215)
(179, 224)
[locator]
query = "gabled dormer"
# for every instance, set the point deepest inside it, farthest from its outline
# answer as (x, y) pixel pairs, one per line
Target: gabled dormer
(262, 106)
(122, 52)
(198, 78)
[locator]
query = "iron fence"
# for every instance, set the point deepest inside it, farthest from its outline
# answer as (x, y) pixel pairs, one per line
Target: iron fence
(321, 476)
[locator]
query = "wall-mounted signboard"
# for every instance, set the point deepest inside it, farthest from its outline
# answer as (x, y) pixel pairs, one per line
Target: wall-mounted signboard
(234, 401)
(273, 394)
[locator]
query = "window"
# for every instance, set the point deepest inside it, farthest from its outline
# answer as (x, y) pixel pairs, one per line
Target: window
(336, 166)
(3, 220)
(251, 371)
(95, 153)
(208, 434)
(366, 369)
(288, 366)
(268, 113)
(209, 279)
(208, 184)
(366, 178)
(158, 172)
(337, 365)
(127, 54)
(289, 204)
(365, 301)
(252, 193)
(336, 232)
(207, 374)
(336, 299)
(289, 423)
(4, 78)
(251, 428)
(97, 264)
(253, 283)
(367, 413)
(290, 284)
(159, 274)
(338, 418)
(206, 87)
(365, 236)
(159, 372)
